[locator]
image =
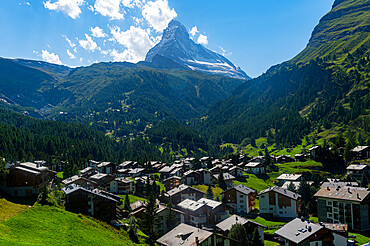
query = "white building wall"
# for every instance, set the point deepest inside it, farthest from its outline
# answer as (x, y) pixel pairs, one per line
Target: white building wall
(242, 202)
(319, 243)
(207, 178)
(339, 240)
(290, 211)
(113, 186)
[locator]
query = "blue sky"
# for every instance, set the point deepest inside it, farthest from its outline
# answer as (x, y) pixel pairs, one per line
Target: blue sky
(253, 34)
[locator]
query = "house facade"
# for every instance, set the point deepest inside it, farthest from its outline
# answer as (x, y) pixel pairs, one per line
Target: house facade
(27, 179)
(240, 198)
(279, 202)
(255, 167)
(184, 192)
(121, 186)
(347, 205)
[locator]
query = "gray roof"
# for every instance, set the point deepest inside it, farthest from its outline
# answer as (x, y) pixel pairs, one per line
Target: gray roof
(357, 167)
(297, 230)
(104, 164)
(281, 191)
(288, 176)
(242, 189)
(172, 177)
(86, 170)
(253, 164)
(356, 194)
(73, 188)
(136, 170)
(210, 203)
(33, 166)
(184, 235)
(180, 189)
(227, 176)
(98, 176)
(226, 224)
(190, 205)
(338, 184)
(295, 183)
(359, 148)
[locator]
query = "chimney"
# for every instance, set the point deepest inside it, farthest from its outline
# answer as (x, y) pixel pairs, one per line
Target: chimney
(358, 196)
(309, 228)
(196, 241)
(328, 188)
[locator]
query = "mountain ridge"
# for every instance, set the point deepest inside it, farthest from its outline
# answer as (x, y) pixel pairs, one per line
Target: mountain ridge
(177, 46)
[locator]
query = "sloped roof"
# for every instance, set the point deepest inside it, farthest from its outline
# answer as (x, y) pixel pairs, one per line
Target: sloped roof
(297, 230)
(281, 191)
(73, 188)
(182, 188)
(242, 189)
(184, 235)
(226, 224)
(227, 176)
(356, 194)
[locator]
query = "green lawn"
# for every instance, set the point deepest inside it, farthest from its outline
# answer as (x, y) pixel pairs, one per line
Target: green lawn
(268, 223)
(133, 198)
(256, 183)
(216, 190)
(9, 209)
(300, 167)
(270, 243)
(60, 175)
(360, 239)
(45, 225)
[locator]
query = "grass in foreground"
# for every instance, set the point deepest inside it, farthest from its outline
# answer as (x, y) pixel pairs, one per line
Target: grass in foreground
(45, 225)
(9, 209)
(360, 239)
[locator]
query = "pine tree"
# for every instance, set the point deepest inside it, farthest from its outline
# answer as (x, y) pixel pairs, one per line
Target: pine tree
(171, 219)
(221, 181)
(150, 220)
(238, 233)
(267, 157)
(256, 238)
(291, 187)
(210, 194)
(132, 228)
(127, 206)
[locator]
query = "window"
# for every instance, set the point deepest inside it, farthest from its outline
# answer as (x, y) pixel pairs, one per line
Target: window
(262, 196)
(329, 203)
(241, 196)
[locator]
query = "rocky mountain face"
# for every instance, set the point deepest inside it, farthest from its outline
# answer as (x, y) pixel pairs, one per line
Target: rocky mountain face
(177, 46)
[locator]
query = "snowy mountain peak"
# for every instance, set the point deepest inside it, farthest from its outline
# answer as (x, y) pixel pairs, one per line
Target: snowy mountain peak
(177, 46)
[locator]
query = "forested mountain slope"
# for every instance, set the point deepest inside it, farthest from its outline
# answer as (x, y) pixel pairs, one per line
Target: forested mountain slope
(325, 86)
(122, 98)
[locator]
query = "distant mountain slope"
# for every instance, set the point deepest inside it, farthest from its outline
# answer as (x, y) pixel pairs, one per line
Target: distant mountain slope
(54, 70)
(24, 86)
(122, 97)
(177, 46)
(325, 86)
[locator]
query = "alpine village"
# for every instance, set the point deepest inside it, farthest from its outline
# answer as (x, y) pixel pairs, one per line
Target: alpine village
(171, 151)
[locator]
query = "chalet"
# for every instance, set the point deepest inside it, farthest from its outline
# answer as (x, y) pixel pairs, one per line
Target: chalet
(81, 181)
(302, 232)
(172, 182)
(106, 167)
(123, 173)
(206, 176)
(121, 186)
(93, 164)
(358, 170)
(314, 151)
(192, 177)
(183, 192)
(340, 232)
(187, 235)
(87, 172)
(260, 159)
(240, 198)
(284, 159)
(90, 202)
(177, 171)
(126, 165)
(279, 202)
(361, 152)
(236, 171)
(255, 167)
(225, 226)
(162, 214)
(26, 179)
(229, 179)
(140, 183)
(216, 169)
(347, 205)
(102, 179)
(288, 177)
(165, 172)
(136, 172)
(300, 157)
(216, 211)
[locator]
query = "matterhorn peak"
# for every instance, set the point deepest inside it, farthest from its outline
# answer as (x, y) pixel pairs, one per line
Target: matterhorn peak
(177, 46)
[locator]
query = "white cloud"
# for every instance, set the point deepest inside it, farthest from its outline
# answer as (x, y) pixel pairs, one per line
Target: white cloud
(202, 39)
(158, 14)
(71, 55)
(109, 8)
(137, 42)
(97, 32)
(91, 8)
(50, 57)
(133, 3)
(88, 43)
(69, 7)
(194, 31)
(70, 43)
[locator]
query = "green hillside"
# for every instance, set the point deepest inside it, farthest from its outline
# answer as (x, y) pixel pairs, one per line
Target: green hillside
(324, 88)
(122, 98)
(44, 225)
